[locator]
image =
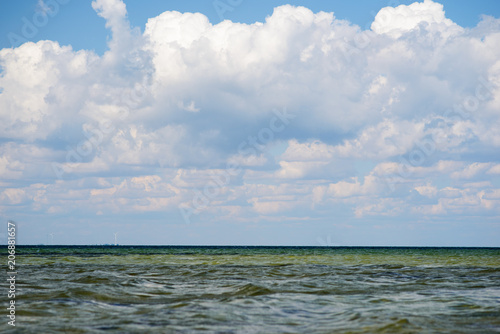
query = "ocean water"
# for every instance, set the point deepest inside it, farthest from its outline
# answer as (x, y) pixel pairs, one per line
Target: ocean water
(122, 289)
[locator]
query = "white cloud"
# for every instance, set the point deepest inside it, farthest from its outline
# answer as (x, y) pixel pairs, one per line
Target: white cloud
(13, 196)
(312, 151)
(494, 169)
(397, 120)
(352, 187)
(428, 14)
(188, 107)
(115, 14)
(383, 140)
(427, 190)
(471, 170)
(31, 104)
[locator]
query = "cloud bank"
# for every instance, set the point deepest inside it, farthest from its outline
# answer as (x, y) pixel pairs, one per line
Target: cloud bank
(303, 117)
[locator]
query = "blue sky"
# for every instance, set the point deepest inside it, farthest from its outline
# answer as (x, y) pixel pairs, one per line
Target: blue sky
(290, 123)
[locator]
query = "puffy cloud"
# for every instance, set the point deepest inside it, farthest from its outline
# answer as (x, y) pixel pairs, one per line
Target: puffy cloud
(351, 188)
(471, 170)
(313, 151)
(115, 14)
(398, 119)
(495, 169)
(428, 14)
(33, 105)
(427, 190)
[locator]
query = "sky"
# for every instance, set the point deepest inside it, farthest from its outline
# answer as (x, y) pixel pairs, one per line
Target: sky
(320, 123)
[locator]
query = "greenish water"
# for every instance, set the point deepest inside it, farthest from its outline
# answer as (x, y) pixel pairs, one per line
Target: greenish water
(256, 290)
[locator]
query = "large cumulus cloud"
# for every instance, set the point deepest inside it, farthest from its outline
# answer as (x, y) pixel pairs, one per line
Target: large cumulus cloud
(401, 118)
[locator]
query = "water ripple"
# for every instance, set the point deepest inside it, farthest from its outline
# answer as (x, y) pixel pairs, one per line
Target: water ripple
(259, 291)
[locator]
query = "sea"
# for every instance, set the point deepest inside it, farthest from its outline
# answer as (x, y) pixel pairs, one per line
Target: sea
(214, 289)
